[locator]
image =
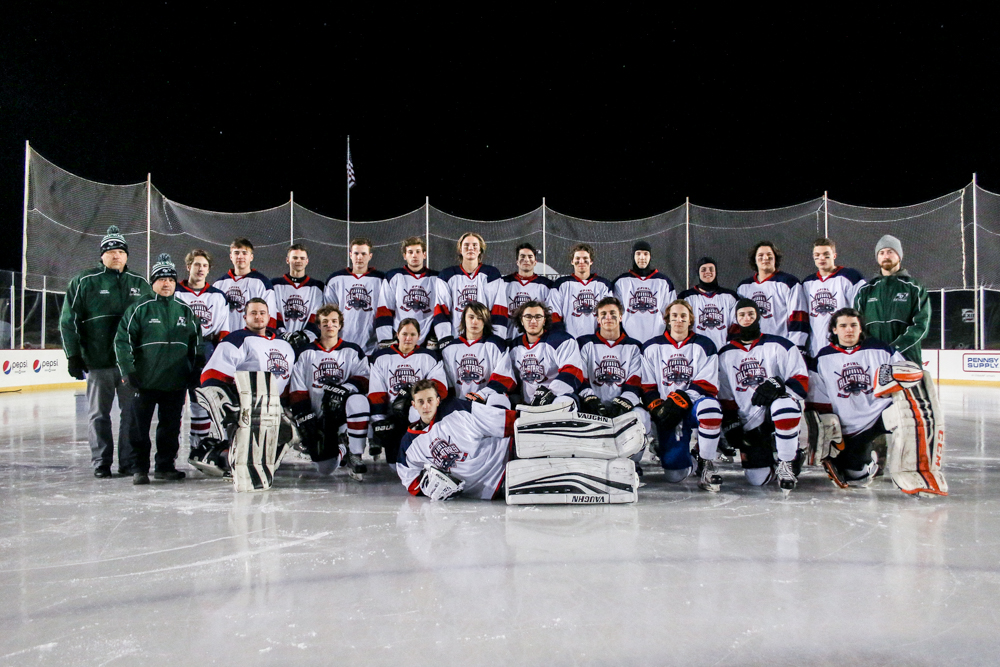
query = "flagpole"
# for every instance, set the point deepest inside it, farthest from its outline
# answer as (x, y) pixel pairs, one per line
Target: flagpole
(348, 183)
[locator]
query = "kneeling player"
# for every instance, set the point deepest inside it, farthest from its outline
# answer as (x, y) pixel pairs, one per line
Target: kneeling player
(762, 379)
(328, 393)
(680, 382)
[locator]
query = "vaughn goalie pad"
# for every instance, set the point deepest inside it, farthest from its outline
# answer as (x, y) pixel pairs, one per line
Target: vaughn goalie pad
(571, 481)
(916, 442)
(573, 434)
(222, 405)
(254, 454)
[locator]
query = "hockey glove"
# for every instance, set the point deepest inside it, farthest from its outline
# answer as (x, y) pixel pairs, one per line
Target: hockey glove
(233, 303)
(382, 433)
(669, 412)
(399, 410)
(297, 339)
(334, 399)
(619, 406)
(445, 342)
(475, 398)
(382, 344)
(543, 396)
(767, 391)
(439, 485)
(591, 405)
(77, 367)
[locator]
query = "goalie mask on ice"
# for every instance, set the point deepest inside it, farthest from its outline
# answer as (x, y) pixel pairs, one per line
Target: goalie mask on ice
(564, 432)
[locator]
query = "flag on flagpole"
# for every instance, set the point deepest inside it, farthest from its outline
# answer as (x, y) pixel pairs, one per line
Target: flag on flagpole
(350, 170)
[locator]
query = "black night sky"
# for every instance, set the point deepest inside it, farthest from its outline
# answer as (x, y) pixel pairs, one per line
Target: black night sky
(610, 114)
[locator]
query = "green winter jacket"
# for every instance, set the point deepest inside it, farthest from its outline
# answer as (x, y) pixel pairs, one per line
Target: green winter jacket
(95, 301)
(159, 340)
(897, 311)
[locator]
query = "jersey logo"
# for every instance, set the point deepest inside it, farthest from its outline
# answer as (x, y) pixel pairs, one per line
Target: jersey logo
(854, 380)
(609, 371)
(584, 303)
(900, 296)
(277, 364)
(133, 291)
(467, 294)
(763, 304)
(531, 369)
(235, 295)
(295, 308)
(677, 370)
(358, 298)
(710, 317)
(401, 378)
(154, 320)
(749, 373)
(104, 291)
(182, 321)
(446, 454)
(328, 373)
(201, 312)
(416, 298)
(824, 302)
(518, 300)
(469, 370)
(642, 301)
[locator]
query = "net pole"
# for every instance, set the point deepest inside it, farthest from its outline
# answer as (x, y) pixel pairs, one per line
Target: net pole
(545, 256)
(24, 248)
(942, 318)
(687, 243)
(149, 218)
(427, 230)
(975, 250)
(43, 311)
(291, 217)
(961, 233)
(826, 215)
(12, 295)
(981, 345)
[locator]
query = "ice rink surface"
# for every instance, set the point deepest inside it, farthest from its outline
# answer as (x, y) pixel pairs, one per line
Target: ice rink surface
(323, 571)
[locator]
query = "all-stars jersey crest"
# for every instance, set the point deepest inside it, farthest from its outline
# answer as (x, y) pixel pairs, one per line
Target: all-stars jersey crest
(358, 298)
(209, 306)
(468, 440)
(691, 365)
(553, 361)
(713, 312)
(824, 297)
(297, 302)
(782, 305)
(611, 368)
(484, 285)
(422, 296)
(644, 300)
(519, 291)
(742, 368)
(343, 365)
(469, 365)
(239, 290)
(246, 351)
(845, 382)
(574, 303)
(392, 371)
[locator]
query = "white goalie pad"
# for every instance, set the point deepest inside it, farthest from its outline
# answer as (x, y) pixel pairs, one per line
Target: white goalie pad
(254, 454)
(830, 439)
(559, 405)
(569, 434)
(892, 378)
(571, 481)
(222, 407)
(916, 441)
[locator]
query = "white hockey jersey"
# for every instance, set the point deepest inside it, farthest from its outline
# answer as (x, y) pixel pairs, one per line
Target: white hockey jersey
(611, 368)
(422, 296)
(317, 367)
(713, 312)
(246, 351)
(209, 306)
(484, 285)
(358, 298)
(469, 365)
(297, 303)
(824, 297)
(552, 361)
(691, 366)
(644, 300)
(574, 303)
(468, 440)
(239, 290)
(520, 291)
(846, 382)
(743, 367)
(782, 305)
(392, 371)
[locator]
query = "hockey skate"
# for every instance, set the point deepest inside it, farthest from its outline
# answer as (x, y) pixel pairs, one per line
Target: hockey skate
(786, 478)
(870, 471)
(831, 470)
(209, 457)
(356, 468)
(708, 480)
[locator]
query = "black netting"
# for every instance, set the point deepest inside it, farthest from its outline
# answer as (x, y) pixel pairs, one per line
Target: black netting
(325, 240)
(502, 238)
(987, 238)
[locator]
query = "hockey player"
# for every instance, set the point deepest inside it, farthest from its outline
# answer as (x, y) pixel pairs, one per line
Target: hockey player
(394, 369)
(297, 297)
(241, 284)
(645, 293)
(474, 281)
(713, 306)
(356, 291)
(680, 379)
(471, 359)
(524, 285)
(762, 378)
(612, 366)
(777, 294)
(574, 298)
(329, 388)
(416, 292)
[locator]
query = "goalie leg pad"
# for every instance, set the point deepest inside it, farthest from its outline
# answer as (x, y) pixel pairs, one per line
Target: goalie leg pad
(571, 434)
(571, 481)
(561, 404)
(222, 405)
(916, 444)
(255, 450)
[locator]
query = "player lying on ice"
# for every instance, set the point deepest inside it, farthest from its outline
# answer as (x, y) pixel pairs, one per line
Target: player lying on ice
(548, 454)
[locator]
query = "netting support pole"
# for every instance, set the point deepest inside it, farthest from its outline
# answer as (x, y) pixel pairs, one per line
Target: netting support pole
(13, 293)
(826, 215)
(942, 318)
(545, 257)
(291, 218)
(687, 243)
(149, 217)
(427, 230)
(24, 250)
(975, 250)
(44, 280)
(961, 231)
(981, 320)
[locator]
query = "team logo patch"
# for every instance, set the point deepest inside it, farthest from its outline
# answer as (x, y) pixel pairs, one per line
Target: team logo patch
(518, 300)
(584, 303)
(609, 371)
(469, 370)
(854, 380)
(182, 321)
(467, 294)
(677, 370)
(824, 302)
(235, 295)
(710, 317)
(134, 291)
(750, 373)
(201, 312)
(401, 378)
(328, 373)
(416, 298)
(358, 298)
(277, 364)
(531, 369)
(446, 454)
(900, 296)
(642, 301)
(295, 308)
(763, 305)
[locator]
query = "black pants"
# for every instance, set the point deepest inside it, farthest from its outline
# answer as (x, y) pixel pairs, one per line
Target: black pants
(171, 404)
(858, 447)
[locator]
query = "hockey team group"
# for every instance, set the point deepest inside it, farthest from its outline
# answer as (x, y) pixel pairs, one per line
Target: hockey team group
(517, 387)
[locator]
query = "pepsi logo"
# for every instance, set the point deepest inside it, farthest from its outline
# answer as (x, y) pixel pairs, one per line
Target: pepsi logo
(37, 366)
(6, 367)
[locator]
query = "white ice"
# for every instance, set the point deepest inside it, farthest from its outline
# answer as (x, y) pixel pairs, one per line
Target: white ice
(323, 571)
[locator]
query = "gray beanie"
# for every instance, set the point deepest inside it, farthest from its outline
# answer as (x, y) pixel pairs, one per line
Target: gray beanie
(113, 240)
(889, 241)
(164, 268)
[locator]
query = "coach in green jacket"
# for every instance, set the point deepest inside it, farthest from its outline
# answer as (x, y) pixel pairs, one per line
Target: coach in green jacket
(896, 307)
(159, 350)
(95, 302)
